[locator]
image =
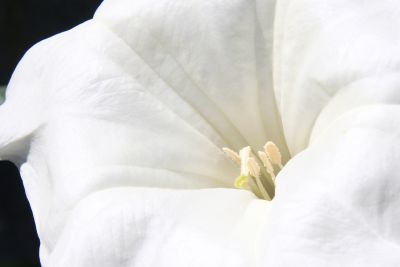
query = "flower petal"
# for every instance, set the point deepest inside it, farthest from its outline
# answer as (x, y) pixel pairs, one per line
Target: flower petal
(323, 49)
(160, 227)
(337, 200)
(144, 95)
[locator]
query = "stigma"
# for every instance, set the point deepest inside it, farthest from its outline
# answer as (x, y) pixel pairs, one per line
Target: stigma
(257, 171)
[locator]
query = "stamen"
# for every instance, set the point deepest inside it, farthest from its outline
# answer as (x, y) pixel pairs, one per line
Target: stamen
(244, 155)
(258, 179)
(255, 169)
(232, 155)
(273, 153)
(267, 164)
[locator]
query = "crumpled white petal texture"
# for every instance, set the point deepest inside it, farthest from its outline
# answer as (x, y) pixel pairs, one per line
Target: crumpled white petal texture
(117, 125)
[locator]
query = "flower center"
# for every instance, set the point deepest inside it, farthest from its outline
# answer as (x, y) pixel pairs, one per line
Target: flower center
(255, 177)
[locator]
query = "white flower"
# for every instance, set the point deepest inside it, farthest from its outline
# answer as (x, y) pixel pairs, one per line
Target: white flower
(118, 126)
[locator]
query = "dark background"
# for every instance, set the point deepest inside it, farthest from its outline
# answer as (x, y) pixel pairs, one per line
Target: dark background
(22, 24)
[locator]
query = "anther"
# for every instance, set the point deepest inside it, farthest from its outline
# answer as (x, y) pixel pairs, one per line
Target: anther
(232, 155)
(255, 170)
(273, 153)
(244, 154)
(267, 164)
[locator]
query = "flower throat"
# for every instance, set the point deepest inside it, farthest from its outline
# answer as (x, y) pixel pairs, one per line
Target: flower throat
(255, 177)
